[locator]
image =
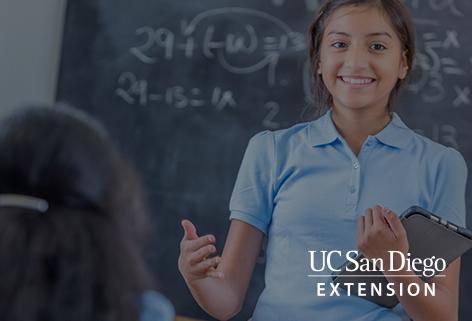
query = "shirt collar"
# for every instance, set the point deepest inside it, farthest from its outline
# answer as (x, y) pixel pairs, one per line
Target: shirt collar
(395, 134)
(323, 131)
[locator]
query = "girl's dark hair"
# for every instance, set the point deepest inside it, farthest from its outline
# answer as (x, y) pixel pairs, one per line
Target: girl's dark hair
(401, 20)
(81, 259)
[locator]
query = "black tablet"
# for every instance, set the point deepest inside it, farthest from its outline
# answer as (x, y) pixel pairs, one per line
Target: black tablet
(430, 237)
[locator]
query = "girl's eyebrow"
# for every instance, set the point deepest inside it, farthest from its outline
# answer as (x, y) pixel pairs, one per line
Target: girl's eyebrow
(375, 34)
(372, 34)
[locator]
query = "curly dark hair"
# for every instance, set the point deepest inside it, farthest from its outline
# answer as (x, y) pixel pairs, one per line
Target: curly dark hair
(81, 259)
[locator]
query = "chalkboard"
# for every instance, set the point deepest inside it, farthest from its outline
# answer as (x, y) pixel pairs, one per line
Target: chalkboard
(183, 85)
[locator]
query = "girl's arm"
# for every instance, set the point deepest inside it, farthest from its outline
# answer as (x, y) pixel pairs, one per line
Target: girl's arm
(219, 284)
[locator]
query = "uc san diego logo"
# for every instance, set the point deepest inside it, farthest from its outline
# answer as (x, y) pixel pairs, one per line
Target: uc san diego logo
(398, 267)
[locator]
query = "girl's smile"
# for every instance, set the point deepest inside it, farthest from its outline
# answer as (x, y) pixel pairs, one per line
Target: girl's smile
(361, 58)
(357, 81)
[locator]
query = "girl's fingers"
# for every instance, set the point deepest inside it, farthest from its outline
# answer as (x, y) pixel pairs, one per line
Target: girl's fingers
(194, 251)
(202, 267)
(378, 217)
(195, 245)
(201, 254)
(360, 231)
(213, 273)
(368, 220)
(385, 212)
(361, 225)
(190, 231)
(396, 225)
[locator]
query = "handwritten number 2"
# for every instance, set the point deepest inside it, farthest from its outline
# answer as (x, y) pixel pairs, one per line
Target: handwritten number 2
(139, 51)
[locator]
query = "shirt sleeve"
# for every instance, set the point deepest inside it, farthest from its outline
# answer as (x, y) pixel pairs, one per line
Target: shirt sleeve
(450, 186)
(252, 197)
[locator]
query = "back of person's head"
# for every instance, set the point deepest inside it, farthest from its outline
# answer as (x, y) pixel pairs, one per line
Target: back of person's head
(70, 218)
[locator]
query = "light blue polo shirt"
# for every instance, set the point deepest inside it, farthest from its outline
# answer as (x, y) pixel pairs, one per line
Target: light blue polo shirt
(304, 188)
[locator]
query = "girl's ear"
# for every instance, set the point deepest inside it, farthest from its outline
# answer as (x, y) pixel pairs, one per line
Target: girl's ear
(403, 70)
(318, 71)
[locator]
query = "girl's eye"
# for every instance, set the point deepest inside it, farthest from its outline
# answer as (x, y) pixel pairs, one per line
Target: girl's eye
(378, 47)
(338, 45)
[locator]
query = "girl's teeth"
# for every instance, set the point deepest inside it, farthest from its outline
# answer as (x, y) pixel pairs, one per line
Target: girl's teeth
(355, 81)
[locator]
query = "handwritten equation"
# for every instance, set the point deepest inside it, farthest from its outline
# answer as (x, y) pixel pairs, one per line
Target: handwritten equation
(246, 40)
(136, 91)
(243, 42)
(433, 63)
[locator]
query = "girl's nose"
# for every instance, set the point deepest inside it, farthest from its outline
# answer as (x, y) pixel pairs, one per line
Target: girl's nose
(356, 58)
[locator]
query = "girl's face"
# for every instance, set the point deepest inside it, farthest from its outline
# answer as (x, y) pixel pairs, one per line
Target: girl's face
(361, 58)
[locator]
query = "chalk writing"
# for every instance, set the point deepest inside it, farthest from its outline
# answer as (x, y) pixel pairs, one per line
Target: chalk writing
(463, 96)
(256, 41)
(268, 121)
(263, 50)
(310, 5)
(136, 91)
(445, 134)
(431, 67)
(436, 5)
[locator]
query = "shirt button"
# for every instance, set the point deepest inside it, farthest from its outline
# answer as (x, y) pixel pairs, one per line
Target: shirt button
(353, 189)
(356, 165)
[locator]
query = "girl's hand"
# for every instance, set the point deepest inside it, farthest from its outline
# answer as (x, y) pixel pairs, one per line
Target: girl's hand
(379, 230)
(194, 263)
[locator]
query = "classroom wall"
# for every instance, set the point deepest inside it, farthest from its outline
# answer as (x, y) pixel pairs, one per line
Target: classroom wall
(30, 38)
(182, 88)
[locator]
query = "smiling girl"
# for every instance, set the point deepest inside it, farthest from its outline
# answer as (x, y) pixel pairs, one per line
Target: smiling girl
(315, 186)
